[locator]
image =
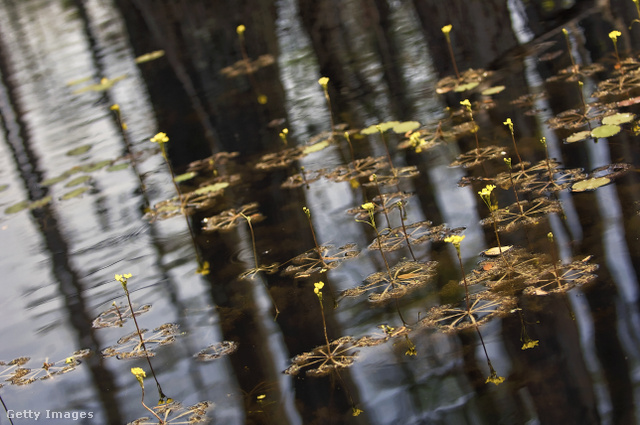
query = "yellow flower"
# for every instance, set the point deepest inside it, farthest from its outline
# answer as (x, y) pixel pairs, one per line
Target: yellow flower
(530, 344)
(369, 206)
(139, 374)
(323, 82)
(356, 411)
(455, 240)
(494, 378)
(160, 138)
(115, 107)
(565, 32)
(509, 123)
(447, 29)
(122, 278)
(613, 35)
(485, 194)
(508, 162)
(240, 30)
(317, 289)
(466, 103)
(307, 211)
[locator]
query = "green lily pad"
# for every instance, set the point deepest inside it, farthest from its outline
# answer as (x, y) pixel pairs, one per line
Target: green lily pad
(579, 136)
(619, 118)
(316, 147)
(77, 181)
(383, 126)
(90, 168)
(40, 202)
(54, 180)
(406, 126)
(211, 188)
(74, 193)
(15, 208)
(606, 130)
(184, 177)
(590, 184)
(79, 150)
(493, 90)
(118, 167)
(464, 87)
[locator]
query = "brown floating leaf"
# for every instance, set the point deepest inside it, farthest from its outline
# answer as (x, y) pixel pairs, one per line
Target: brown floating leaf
(324, 359)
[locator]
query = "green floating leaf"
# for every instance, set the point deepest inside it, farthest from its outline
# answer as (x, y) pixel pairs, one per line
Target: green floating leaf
(211, 188)
(74, 193)
(406, 126)
(79, 150)
(3, 187)
(590, 184)
(577, 137)
(619, 118)
(77, 181)
(493, 90)
(118, 167)
(184, 177)
(22, 205)
(383, 126)
(316, 147)
(90, 168)
(606, 130)
(54, 180)
(464, 87)
(150, 56)
(40, 202)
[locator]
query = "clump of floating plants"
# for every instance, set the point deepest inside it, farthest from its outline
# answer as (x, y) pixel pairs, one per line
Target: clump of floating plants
(474, 313)
(171, 412)
(461, 82)
(326, 358)
(575, 72)
(478, 155)
(16, 373)
(319, 259)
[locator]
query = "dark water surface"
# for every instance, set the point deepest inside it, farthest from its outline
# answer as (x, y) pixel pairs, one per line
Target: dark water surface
(384, 59)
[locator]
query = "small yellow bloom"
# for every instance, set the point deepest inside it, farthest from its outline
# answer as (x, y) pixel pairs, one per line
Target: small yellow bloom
(369, 206)
(240, 30)
(455, 240)
(261, 397)
(447, 29)
(139, 374)
(115, 107)
(263, 99)
(356, 411)
(307, 211)
(613, 35)
(509, 123)
(494, 378)
(323, 81)
(160, 138)
(122, 278)
(565, 32)
(530, 344)
(317, 289)
(466, 103)
(487, 190)
(508, 162)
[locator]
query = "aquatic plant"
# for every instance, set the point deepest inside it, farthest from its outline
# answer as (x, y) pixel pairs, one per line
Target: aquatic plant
(117, 315)
(14, 372)
(215, 351)
(478, 155)
(324, 83)
(231, 218)
(124, 279)
(142, 343)
(333, 355)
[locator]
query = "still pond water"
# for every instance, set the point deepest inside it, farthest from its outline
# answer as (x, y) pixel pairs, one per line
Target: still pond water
(560, 324)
